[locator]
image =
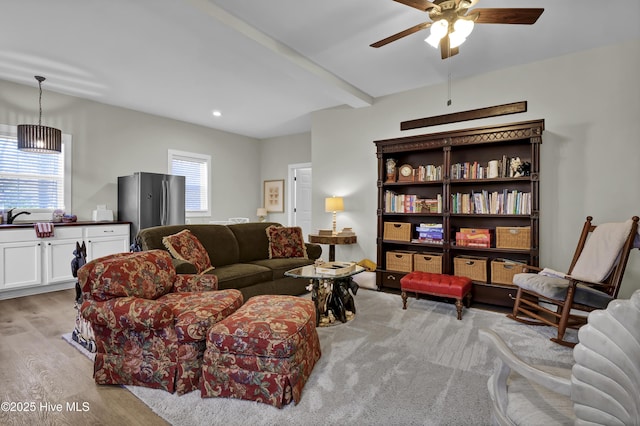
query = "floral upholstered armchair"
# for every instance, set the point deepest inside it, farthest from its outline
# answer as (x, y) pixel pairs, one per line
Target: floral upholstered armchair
(150, 324)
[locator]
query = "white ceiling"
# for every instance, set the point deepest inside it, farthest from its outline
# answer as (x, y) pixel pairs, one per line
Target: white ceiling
(268, 64)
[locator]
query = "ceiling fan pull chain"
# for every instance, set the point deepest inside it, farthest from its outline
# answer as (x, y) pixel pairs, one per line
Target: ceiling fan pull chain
(449, 89)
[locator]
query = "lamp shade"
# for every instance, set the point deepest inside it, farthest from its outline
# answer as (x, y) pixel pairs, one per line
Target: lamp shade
(333, 204)
(261, 212)
(40, 139)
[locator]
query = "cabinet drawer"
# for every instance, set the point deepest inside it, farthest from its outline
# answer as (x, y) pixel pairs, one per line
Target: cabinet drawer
(66, 232)
(13, 235)
(391, 279)
(106, 230)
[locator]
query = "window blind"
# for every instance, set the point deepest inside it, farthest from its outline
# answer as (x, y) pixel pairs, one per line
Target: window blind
(195, 172)
(30, 180)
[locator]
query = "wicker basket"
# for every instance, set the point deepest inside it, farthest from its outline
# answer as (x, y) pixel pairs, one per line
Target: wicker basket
(397, 231)
(515, 237)
(427, 262)
(503, 270)
(471, 266)
(400, 261)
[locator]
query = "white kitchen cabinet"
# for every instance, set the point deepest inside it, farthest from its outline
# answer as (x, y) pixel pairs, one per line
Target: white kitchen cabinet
(102, 240)
(30, 265)
(20, 259)
(58, 253)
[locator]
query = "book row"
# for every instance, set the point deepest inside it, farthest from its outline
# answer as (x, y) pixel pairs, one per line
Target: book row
(501, 168)
(484, 202)
(409, 203)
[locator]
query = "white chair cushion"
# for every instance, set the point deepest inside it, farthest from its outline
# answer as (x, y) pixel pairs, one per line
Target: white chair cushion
(556, 288)
(601, 251)
(551, 287)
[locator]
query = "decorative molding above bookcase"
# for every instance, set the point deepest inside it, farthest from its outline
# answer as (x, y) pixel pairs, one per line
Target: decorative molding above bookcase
(465, 182)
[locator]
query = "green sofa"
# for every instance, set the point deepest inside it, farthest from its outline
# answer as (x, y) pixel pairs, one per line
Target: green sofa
(240, 256)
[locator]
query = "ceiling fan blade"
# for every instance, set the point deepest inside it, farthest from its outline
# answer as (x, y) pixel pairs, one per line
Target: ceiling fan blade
(445, 50)
(422, 5)
(401, 34)
(507, 16)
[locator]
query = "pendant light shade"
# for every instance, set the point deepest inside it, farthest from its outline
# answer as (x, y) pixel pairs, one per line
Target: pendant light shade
(39, 138)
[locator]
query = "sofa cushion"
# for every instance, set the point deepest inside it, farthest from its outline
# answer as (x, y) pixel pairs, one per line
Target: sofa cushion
(253, 241)
(218, 240)
(186, 246)
(286, 242)
(241, 275)
(280, 266)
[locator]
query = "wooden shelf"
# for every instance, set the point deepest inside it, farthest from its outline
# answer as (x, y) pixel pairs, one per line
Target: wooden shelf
(480, 144)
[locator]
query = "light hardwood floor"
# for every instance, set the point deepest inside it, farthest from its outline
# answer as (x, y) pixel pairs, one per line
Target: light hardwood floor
(40, 370)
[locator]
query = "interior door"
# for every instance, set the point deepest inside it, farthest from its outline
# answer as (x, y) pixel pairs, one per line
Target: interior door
(302, 194)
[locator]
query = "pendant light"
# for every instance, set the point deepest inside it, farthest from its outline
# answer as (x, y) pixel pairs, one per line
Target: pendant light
(38, 138)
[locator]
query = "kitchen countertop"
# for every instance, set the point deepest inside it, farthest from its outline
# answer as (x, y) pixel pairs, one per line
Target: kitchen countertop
(19, 225)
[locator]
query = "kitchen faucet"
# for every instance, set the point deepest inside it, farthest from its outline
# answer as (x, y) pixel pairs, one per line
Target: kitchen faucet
(11, 217)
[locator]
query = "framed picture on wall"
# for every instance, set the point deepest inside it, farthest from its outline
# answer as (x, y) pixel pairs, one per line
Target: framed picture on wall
(274, 195)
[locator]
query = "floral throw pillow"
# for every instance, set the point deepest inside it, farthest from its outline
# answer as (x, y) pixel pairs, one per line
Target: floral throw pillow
(286, 242)
(186, 246)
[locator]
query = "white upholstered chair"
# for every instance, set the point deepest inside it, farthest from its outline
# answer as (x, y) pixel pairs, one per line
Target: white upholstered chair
(603, 387)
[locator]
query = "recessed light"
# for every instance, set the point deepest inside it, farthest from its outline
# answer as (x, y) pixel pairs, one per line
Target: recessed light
(217, 113)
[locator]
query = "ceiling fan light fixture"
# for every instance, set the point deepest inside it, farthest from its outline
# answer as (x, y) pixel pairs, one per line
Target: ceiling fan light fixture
(463, 27)
(439, 29)
(455, 40)
(461, 30)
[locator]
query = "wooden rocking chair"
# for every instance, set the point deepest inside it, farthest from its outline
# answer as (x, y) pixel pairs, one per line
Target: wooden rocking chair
(592, 281)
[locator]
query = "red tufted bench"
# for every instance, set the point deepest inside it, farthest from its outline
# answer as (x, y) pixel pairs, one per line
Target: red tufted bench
(441, 285)
(263, 352)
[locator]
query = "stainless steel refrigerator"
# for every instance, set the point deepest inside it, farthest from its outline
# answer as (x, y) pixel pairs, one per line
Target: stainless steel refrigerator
(151, 199)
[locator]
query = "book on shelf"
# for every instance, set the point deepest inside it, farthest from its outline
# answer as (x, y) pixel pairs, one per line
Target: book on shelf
(497, 202)
(429, 172)
(411, 203)
(430, 232)
(497, 168)
(426, 241)
(325, 232)
(473, 237)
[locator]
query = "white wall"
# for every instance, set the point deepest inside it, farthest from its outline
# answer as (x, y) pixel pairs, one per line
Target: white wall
(590, 156)
(275, 156)
(109, 142)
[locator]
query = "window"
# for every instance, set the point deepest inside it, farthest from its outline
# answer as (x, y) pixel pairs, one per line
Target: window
(195, 168)
(39, 183)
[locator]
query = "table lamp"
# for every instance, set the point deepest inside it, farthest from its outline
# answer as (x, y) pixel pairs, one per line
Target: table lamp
(261, 213)
(334, 204)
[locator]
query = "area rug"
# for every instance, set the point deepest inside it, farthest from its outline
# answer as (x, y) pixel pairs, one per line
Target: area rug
(388, 366)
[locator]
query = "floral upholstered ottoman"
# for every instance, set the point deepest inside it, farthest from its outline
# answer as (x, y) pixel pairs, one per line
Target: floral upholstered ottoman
(264, 352)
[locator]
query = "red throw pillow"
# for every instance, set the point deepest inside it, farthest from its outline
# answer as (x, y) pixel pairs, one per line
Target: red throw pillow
(286, 242)
(186, 246)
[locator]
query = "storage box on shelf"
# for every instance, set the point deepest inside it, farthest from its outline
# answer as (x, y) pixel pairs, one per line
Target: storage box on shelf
(515, 237)
(428, 262)
(397, 231)
(495, 169)
(503, 270)
(473, 267)
(400, 261)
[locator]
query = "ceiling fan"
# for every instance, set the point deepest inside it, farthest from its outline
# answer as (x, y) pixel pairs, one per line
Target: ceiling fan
(453, 21)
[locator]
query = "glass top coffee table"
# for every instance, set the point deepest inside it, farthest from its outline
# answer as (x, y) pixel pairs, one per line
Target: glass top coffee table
(331, 292)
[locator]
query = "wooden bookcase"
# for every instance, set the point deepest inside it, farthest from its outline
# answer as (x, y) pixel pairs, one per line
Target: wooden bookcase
(481, 145)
